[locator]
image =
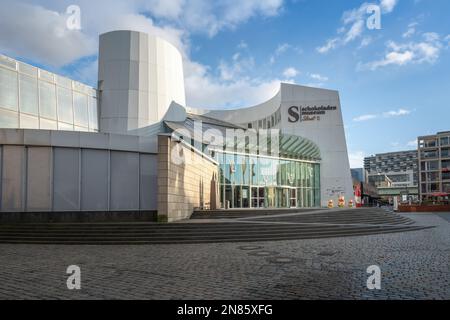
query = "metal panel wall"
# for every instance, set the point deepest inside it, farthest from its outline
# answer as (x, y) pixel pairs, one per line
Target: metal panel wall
(124, 181)
(148, 182)
(39, 168)
(94, 179)
(66, 171)
(73, 179)
(13, 177)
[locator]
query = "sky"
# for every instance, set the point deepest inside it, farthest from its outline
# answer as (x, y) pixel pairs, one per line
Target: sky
(393, 77)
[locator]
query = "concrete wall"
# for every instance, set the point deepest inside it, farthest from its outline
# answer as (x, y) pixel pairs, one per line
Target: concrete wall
(55, 171)
(184, 185)
(139, 77)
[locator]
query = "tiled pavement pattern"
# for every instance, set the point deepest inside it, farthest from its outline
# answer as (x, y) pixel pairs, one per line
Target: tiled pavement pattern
(414, 265)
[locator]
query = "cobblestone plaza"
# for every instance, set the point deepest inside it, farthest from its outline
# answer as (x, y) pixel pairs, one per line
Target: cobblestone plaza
(414, 265)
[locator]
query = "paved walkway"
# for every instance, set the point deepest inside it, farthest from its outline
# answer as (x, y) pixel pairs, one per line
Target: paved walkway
(414, 265)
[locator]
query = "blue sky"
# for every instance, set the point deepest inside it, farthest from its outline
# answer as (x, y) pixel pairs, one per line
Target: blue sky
(394, 82)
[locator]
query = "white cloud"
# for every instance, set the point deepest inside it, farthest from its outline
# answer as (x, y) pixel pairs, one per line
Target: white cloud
(242, 45)
(425, 51)
(35, 30)
(412, 143)
(356, 159)
(396, 113)
(210, 17)
(354, 25)
(290, 72)
(205, 91)
(330, 45)
(238, 65)
(365, 42)
(355, 31)
(37, 27)
(411, 30)
(365, 117)
(282, 49)
(388, 114)
(318, 77)
(388, 5)
(172, 9)
(41, 35)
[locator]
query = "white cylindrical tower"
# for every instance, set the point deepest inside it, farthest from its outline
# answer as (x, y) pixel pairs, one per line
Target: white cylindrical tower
(139, 77)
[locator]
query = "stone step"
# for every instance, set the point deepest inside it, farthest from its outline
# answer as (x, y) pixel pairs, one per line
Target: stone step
(320, 224)
(277, 237)
(191, 232)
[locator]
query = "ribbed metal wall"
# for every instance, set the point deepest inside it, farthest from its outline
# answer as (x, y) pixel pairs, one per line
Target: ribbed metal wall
(40, 179)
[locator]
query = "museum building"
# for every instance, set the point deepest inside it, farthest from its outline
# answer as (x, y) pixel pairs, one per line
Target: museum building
(132, 149)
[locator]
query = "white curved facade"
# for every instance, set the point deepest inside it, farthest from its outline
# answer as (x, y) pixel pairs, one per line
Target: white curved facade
(323, 127)
(139, 77)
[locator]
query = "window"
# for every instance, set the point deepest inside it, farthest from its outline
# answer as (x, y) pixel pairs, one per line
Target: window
(9, 119)
(446, 165)
(81, 110)
(429, 154)
(8, 89)
(65, 126)
(47, 100)
(64, 82)
(27, 69)
(446, 187)
(48, 124)
(430, 143)
(429, 165)
(7, 62)
(28, 95)
(29, 122)
(45, 75)
(65, 109)
(93, 113)
(445, 141)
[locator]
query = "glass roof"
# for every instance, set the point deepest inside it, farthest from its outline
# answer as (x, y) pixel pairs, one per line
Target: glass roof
(289, 146)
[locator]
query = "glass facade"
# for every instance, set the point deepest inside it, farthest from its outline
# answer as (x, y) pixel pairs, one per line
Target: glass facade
(250, 181)
(31, 98)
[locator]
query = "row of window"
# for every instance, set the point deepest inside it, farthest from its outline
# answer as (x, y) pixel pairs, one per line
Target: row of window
(435, 187)
(442, 141)
(434, 165)
(268, 197)
(266, 123)
(260, 171)
(29, 101)
(428, 154)
(34, 72)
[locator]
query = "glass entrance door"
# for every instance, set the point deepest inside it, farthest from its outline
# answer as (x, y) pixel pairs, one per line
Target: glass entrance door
(270, 197)
(293, 198)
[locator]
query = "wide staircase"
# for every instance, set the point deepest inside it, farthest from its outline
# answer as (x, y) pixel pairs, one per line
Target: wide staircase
(244, 227)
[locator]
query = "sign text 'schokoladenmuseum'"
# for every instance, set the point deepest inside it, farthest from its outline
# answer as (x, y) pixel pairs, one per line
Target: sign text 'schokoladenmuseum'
(308, 113)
